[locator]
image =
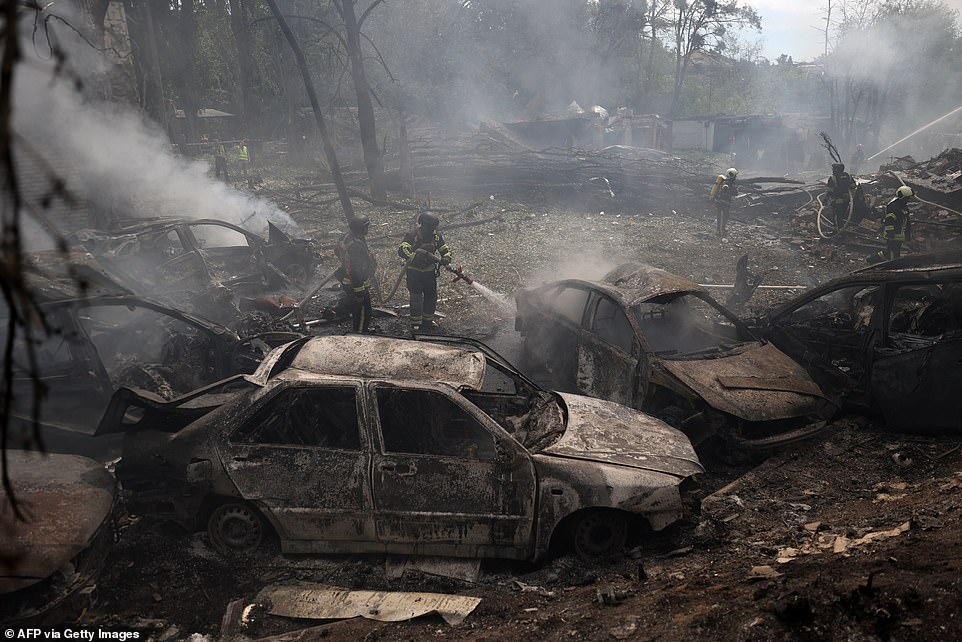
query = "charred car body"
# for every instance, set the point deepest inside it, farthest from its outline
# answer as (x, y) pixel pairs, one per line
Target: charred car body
(657, 342)
(888, 336)
(100, 336)
(184, 254)
(368, 444)
(47, 558)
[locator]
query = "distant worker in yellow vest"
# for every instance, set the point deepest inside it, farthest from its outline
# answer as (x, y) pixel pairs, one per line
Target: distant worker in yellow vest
(244, 157)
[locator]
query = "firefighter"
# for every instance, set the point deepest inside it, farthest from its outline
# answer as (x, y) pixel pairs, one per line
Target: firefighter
(355, 272)
(858, 157)
(722, 192)
(896, 225)
(425, 251)
(840, 187)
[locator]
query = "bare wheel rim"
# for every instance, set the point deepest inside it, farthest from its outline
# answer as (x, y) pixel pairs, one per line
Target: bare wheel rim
(235, 528)
(599, 534)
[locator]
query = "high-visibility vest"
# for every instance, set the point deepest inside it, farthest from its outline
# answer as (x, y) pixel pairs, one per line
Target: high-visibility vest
(242, 153)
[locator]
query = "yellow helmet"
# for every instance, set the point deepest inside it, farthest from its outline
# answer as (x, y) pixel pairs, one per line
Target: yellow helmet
(904, 192)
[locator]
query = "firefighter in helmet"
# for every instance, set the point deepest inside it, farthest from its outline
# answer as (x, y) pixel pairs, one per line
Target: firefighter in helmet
(858, 157)
(840, 188)
(355, 272)
(722, 192)
(424, 250)
(896, 225)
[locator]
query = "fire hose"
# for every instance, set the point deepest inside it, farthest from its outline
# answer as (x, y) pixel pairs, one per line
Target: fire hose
(458, 272)
(838, 228)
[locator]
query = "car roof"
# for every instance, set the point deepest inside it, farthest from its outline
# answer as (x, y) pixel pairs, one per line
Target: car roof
(387, 358)
(638, 282)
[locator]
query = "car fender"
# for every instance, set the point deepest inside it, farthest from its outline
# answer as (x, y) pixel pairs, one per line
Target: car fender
(567, 485)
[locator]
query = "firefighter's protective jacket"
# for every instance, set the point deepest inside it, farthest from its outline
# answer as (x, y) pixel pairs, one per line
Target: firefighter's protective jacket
(896, 225)
(840, 187)
(412, 242)
(356, 263)
(724, 189)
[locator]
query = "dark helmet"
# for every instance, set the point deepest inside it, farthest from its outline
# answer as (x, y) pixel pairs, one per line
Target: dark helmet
(838, 168)
(359, 224)
(428, 221)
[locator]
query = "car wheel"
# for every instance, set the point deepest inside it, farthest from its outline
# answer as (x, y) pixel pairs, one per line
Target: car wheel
(235, 529)
(599, 533)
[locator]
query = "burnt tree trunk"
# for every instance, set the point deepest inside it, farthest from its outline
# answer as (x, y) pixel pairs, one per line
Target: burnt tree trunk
(407, 171)
(365, 106)
(186, 78)
(140, 22)
(244, 42)
(335, 167)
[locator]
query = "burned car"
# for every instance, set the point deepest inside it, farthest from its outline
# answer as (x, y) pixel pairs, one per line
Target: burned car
(368, 444)
(50, 556)
(888, 336)
(657, 342)
(183, 254)
(100, 337)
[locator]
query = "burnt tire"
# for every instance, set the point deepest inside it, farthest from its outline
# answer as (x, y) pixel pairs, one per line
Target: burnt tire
(599, 534)
(235, 528)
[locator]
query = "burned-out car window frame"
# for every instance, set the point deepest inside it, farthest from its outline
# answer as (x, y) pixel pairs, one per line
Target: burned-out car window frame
(401, 433)
(285, 399)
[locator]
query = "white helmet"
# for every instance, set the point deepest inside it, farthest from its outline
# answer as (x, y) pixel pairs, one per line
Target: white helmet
(731, 172)
(904, 192)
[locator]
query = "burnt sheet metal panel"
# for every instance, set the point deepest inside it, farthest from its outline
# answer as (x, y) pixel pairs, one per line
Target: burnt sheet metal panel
(311, 493)
(390, 359)
(639, 282)
(757, 384)
(67, 499)
(423, 500)
(603, 431)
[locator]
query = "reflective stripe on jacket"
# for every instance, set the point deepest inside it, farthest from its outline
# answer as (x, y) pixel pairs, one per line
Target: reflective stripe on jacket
(896, 223)
(419, 263)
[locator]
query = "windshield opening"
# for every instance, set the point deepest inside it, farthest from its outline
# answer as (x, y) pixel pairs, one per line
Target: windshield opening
(685, 324)
(533, 416)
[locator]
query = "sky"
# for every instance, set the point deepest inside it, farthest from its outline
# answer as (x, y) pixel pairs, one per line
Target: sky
(796, 27)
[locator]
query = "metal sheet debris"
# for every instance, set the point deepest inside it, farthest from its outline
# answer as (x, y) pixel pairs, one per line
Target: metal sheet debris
(329, 603)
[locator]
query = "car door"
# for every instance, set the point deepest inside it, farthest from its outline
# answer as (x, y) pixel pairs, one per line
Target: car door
(607, 365)
(917, 368)
(303, 456)
(833, 335)
(447, 479)
(76, 385)
(224, 248)
(552, 326)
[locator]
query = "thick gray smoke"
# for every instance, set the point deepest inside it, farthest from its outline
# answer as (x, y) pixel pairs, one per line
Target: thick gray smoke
(117, 162)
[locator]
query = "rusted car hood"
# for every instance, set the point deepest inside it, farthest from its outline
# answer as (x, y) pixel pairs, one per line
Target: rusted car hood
(759, 383)
(610, 433)
(67, 499)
